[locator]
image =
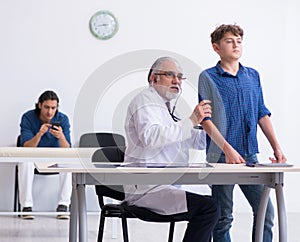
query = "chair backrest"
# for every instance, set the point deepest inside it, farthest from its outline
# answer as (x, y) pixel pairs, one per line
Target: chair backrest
(113, 146)
(101, 140)
(19, 141)
(110, 154)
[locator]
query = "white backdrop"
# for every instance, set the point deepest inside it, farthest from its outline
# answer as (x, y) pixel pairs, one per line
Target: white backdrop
(47, 45)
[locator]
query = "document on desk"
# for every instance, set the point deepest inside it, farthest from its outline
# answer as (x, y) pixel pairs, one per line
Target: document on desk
(66, 165)
(107, 165)
(131, 164)
(269, 164)
(167, 165)
(273, 165)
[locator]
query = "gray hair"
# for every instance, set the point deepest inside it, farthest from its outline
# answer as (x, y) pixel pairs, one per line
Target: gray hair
(157, 65)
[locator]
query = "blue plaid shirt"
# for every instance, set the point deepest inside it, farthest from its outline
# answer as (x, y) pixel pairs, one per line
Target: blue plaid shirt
(237, 104)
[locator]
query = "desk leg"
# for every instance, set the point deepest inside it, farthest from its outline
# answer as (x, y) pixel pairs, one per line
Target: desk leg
(260, 221)
(281, 213)
(82, 213)
(73, 215)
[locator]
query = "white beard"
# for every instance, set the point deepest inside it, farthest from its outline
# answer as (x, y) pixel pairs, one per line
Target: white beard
(172, 95)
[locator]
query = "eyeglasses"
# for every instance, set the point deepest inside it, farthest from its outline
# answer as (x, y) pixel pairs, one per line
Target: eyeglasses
(171, 75)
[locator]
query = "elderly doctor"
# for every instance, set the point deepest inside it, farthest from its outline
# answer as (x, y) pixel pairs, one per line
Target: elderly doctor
(154, 134)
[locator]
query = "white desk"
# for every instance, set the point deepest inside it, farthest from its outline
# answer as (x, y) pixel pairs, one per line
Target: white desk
(21, 154)
(87, 174)
(28, 154)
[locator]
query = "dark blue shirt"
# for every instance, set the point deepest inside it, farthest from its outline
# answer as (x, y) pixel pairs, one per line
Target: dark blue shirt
(31, 124)
(237, 105)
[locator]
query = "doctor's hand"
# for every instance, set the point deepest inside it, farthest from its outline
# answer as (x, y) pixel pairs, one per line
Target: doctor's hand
(201, 111)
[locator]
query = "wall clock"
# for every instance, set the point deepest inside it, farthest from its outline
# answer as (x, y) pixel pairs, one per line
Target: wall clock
(104, 25)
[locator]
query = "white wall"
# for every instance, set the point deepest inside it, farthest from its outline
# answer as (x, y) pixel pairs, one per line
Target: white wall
(47, 45)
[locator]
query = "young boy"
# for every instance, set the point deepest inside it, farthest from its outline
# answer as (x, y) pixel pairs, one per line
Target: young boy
(237, 108)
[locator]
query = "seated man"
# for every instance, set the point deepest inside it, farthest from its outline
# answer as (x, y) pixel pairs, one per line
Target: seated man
(154, 134)
(44, 127)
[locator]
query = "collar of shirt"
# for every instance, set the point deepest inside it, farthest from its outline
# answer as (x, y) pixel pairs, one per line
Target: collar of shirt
(224, 73)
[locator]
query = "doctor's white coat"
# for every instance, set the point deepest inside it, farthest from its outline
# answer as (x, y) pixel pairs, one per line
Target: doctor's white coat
(153, 137)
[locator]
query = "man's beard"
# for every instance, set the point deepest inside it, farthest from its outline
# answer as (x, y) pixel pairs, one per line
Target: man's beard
(172, 95)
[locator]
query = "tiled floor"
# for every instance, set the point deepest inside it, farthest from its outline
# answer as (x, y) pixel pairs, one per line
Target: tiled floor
(46, 228)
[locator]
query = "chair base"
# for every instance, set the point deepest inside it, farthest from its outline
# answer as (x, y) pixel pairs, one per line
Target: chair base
(120, 211)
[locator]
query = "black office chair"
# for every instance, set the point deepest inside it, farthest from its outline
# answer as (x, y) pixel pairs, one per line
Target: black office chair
(100, 139)
(17, 205)
(123, 210)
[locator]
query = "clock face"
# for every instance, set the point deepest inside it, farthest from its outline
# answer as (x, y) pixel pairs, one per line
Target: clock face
(103, 25)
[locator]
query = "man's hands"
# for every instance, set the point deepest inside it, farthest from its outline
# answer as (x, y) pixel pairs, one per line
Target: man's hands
(231, 155)
(57, 132)
(44, 128)
(279, 157)
(201, 111)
